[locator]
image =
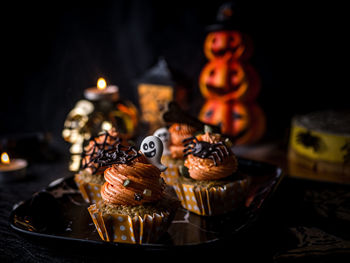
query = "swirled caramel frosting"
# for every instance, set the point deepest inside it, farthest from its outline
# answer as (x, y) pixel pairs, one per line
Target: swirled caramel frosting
(133, 183)
(106, 140)
(179, 132)
(207, 168)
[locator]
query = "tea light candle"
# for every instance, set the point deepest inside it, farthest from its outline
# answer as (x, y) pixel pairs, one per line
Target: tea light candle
(102, 91)
(11, 170)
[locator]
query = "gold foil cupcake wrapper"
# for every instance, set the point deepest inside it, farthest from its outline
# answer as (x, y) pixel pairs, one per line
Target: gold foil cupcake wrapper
(214, 200)
(125, 229)
(90, 192)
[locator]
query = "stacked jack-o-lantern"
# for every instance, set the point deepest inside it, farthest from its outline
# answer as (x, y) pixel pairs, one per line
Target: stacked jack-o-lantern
(230, 86)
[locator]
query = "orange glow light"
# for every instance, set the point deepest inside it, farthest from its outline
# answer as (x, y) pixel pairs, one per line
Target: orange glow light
(5, 158)
(101, 84)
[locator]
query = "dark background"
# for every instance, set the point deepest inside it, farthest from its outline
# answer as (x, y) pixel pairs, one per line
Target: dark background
(53, 51)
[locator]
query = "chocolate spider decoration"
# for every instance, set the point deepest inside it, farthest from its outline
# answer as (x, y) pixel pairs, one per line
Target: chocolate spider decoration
(120, 154)
(93, 151)
(308, 140)
(214, 151)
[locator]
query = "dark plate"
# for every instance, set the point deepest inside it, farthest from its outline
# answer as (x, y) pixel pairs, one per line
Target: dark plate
(59, 212)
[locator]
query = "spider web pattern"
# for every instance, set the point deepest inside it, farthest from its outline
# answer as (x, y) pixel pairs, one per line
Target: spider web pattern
(120, 154)
(89, 155)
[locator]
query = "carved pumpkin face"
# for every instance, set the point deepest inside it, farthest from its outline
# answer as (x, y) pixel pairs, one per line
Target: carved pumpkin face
(223, 44)
(245, 122)
(229, 80)
(224, 80)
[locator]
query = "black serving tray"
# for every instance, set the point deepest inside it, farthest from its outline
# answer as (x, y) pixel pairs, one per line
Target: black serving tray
(59, 212)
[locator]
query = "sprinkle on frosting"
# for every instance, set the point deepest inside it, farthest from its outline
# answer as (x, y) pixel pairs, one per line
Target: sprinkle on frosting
(147, 192)
(126, 182)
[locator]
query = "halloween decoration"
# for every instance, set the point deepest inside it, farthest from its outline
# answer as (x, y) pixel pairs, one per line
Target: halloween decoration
(152, 148)
(119, 154)
(228, 80)
(225, 44)
(173, 158)
(244, 122)
(91, 153)
(103, 110)
(156, 88)
(174, 114)
(90, 177)
(164, 136)
(228, 83)
(319, 141)
(133, 195)
(203, 149)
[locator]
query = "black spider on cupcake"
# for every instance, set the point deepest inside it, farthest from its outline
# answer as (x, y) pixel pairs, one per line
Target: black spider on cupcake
(202, 149)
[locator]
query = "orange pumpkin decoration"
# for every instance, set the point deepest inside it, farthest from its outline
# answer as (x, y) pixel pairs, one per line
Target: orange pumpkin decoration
(246, 122)
(227, 80)
(224, 44)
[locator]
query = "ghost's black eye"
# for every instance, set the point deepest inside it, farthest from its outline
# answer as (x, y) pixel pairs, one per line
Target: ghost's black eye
(145, 147)
(151, 144)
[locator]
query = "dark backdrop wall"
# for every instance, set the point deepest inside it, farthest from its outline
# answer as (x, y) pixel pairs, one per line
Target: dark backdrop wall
(53, 51)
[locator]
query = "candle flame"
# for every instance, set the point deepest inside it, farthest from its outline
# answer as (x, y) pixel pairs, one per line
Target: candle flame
(5, 158)
(101, 84)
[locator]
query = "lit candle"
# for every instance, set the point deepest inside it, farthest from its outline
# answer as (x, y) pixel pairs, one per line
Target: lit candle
(102, 91)
(11, 170)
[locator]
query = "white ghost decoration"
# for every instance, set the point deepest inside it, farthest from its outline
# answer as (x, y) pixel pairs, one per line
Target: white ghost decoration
(164, 135)
(152, 148)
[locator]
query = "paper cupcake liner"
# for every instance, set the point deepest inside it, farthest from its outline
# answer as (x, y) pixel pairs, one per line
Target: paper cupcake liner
(90, 192)
(126, 229)
(171, 174)
(214, 200)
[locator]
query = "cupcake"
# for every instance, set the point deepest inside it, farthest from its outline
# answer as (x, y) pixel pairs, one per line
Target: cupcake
(135, 207)
(90, 177)
(209, 184)
(175, 157)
